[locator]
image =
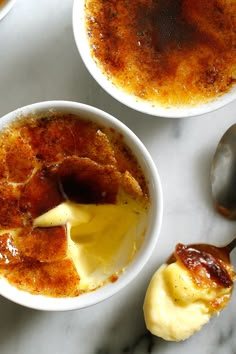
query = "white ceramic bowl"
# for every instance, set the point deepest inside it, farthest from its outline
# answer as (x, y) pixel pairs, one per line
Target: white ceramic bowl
(6, 7)
(130, 100)
(154, 217)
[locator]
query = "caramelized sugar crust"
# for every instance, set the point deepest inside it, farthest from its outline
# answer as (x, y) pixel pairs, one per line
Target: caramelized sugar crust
(43, 162)
(170, 52)
(57, 279)
(40, 194)
(10, 216)
(209, 267)
(42, 244)
(77, 178)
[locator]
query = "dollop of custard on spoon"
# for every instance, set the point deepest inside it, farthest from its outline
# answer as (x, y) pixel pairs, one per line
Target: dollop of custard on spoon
(195, 284)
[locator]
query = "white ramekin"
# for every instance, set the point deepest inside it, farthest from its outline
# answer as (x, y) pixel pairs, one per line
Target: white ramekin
(6, 7)
(154, 218)
(120, 95)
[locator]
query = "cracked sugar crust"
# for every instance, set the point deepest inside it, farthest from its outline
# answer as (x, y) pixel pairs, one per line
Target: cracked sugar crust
(40, 161)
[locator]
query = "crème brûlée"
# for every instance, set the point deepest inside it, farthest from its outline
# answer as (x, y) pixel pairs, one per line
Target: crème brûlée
(73, 205)
(165, 52)
(195, 284)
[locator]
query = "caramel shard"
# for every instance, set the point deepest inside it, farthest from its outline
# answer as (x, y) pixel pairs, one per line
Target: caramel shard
(209, 267)
(97, 146)
(91, 142)
(43, 244)
(102, 151)
(85, 181)
(131, 185)
(40, 194)
(57, 279)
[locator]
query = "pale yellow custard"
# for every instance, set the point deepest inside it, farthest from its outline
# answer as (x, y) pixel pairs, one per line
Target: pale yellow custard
(175, 307)
(102, 239)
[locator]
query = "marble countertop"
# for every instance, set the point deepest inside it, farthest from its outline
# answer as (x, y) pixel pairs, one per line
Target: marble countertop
(39, 61)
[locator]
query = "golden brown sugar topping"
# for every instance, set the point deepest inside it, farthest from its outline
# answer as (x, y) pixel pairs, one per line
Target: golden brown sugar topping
(44, 162)
(19, 166)
(208, 265)
(42, 244)
(10, 216)
(166, 51)
(57, 279)
(51, 140)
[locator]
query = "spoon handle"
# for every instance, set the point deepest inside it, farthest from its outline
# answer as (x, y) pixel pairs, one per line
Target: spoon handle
(231, 245)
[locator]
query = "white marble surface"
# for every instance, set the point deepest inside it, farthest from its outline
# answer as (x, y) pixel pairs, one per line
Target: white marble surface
(39, 61)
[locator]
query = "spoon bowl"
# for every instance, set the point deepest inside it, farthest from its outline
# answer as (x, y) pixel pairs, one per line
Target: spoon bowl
(223, 175)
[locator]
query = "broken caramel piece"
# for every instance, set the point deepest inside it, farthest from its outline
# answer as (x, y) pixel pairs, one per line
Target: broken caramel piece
(101, 150)
(131, 185)
(207, 264)
(40, 194)
(209, 267)
(91, 142)
(43, 244)
(85, 181)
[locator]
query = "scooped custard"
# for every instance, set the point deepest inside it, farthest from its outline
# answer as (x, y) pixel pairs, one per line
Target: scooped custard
(188, 290)
(73, 205)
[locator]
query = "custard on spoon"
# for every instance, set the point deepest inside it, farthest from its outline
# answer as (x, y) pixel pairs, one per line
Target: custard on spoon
(195, 284)
(197, 280)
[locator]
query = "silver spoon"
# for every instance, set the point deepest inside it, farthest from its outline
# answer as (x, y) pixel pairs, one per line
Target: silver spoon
(223, 175)
(223, 178)
(223, 183)
(231, 245)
